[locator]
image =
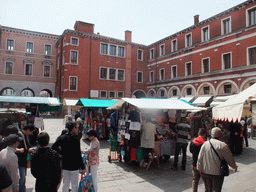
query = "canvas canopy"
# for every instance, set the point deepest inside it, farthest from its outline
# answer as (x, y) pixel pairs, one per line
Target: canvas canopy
(232, 109)
(200, 101)
(70, 102)
(175, 104)
(95, 102)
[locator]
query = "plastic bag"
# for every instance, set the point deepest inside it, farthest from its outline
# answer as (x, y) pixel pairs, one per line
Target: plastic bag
(86, 183)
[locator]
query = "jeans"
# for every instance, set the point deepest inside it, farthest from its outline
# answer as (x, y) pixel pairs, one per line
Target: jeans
(94, 174)
(196, 178)
(70, 177)
(214, 182)
(22, 180)
(178, 148)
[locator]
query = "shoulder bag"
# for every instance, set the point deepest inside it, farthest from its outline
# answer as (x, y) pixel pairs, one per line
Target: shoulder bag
(224, 170)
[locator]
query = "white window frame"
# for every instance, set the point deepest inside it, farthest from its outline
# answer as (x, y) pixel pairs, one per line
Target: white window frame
(100, 73)
(107, 48)
(5, 67)
(112, 97)
(202, 33)
(222, 60)
(202, 65)
(120, 92)
(117, 74)
(31, 69)
(151, 53)
(117, 52)
(141, 54)
(151, 80)
(223, 26)
(76, 83)
(176, 71)
(141, 76)
(247, 15)
(160, 50)
(248, 58)
(186, 43)
(160, 78)
(111, 45)
(13, 45)
(76, 58)
(45, 50)
(186, 72)
(176, 46)
(50, 70)
(104, 91)
(32, 46)
(74, 38)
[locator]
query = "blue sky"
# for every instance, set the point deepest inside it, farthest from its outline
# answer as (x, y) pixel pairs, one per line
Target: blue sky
(149, 20)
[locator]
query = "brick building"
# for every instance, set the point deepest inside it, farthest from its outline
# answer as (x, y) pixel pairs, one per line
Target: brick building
(27, 62)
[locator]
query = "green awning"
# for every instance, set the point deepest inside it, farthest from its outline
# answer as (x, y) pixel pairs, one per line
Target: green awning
(35, 100)
(95, 102)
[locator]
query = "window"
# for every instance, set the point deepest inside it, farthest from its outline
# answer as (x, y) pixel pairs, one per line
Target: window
(112, 94)
(121, 51)
(72, 83)
(103, 73)
(205, 34)
(47, 71)
(151, 53)
(103, 94)
(226, 61)
(27, 93)
(139, 77)
(188, 69)
(174, 92)
(62, 83)
(251, 83)
(120, 75)
(252, 56)
(206, 90)
(189, 91)
(104, 48)
(140, 55)
(28, 69)
(226, 26)
(8, 68)
(174, 71)
(161, 74)
(188, 40)
(205, 65)
(151, 94)
(10, 44)
(252, 16)
(162, 93)
(151, 76)
(112, 50)
(74, 41)
(73, 57)
(112, 74)
(120, 94)
(174, 45)
(47, 49)
(29, 47)
(162, 50)
(227, 88)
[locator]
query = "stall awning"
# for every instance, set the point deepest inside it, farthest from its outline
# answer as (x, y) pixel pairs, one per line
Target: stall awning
(188, 99)
(117, 105)
(200, 101)
(34, 100)
(220, 99)
(95, 102)
(70, 102)
(232, 109)
(175, 104)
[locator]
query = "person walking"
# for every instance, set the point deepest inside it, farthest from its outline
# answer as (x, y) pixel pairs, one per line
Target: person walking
(93, 156)
(9, 159)
(10, 129)
(194, 148)
(80, 126)
(68, 145)
(45, 165)
(208, 163)
(22, 152)
(5, 180)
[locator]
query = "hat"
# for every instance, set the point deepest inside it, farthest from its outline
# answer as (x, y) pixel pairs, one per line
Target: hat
(78, 119)
(13, 138)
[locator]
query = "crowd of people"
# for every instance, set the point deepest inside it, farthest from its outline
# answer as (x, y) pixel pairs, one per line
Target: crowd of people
(49, 165)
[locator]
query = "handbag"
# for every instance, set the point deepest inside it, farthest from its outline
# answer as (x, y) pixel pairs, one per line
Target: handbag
(224, 170)
(86, 183)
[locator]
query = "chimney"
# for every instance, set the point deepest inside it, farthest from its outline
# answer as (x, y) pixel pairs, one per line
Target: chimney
(128, 36)
(196, 19)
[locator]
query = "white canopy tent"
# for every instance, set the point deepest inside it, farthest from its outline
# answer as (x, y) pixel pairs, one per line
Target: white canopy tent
(232, 109)
(154, 103)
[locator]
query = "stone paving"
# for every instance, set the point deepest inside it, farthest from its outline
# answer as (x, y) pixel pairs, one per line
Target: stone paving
(121, 177)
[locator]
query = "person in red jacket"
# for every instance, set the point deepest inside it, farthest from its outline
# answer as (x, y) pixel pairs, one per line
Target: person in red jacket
(194, 148)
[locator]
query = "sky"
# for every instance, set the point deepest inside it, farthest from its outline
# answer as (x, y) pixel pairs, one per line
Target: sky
(149, 20)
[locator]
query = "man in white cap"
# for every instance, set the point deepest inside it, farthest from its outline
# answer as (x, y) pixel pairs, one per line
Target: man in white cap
(209, 163)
